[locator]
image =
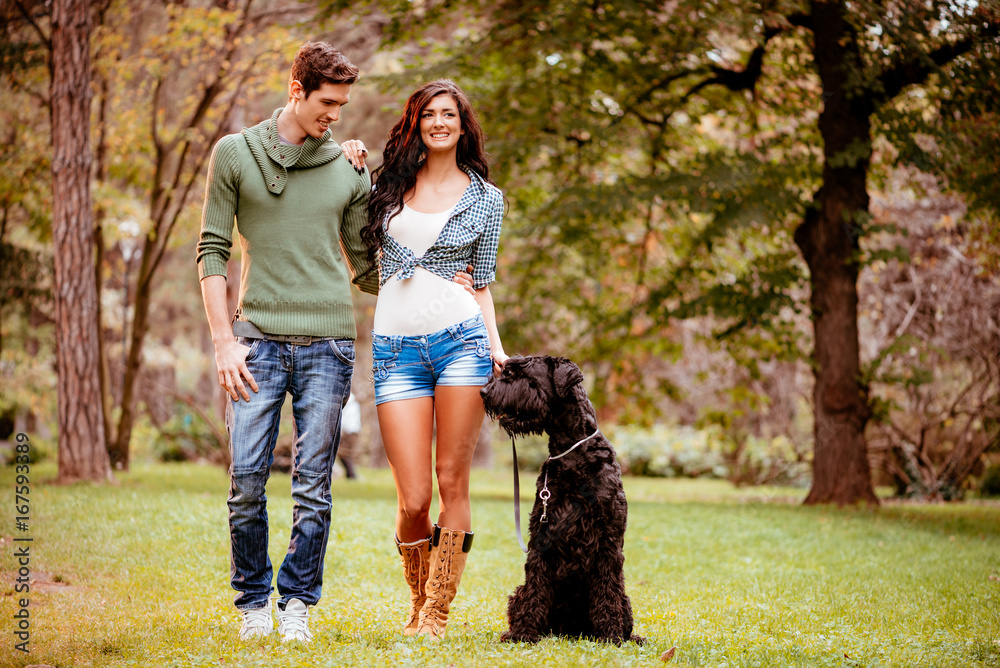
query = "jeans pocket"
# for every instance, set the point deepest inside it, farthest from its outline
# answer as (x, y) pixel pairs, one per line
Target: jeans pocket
(379, 371)
(344, 350)
(382, 351)
(480, 344)
(483, 347)
(252, 344)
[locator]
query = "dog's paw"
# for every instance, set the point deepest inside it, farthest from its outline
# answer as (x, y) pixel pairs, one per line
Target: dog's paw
(510, 636)
(638, 640)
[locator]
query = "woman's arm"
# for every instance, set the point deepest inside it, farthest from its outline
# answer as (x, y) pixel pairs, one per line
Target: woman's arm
(485, 299)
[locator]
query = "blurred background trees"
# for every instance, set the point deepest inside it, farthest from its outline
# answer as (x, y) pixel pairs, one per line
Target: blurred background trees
(769, 229)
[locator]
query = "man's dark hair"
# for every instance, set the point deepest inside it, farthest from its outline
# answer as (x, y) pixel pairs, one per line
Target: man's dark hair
(318, 63)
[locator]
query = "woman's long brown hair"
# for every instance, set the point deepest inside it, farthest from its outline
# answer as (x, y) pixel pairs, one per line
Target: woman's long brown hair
(405, 153)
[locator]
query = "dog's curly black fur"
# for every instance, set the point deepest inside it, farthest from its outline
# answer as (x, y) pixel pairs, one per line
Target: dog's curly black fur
(574, 584)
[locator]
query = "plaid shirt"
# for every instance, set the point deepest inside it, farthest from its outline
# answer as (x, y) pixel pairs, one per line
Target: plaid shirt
(470, 236)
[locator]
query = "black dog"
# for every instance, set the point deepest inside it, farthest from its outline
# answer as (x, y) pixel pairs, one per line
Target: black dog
(574, 584)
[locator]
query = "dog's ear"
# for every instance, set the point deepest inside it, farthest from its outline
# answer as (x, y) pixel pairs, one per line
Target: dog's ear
(565, 375)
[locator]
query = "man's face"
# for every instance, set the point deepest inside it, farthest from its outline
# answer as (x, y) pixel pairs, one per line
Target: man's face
(314, 114)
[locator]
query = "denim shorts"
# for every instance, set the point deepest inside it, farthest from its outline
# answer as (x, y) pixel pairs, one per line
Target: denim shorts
(406, 367)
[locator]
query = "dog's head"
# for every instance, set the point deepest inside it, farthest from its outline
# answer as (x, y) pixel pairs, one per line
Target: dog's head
(530, 392)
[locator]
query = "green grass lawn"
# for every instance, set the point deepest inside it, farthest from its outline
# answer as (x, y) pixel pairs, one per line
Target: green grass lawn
(137, 574)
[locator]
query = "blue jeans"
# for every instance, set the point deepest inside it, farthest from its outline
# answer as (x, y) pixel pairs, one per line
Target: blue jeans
(318, 377)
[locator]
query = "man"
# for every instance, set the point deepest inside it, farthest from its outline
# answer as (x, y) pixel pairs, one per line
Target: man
(297, 200)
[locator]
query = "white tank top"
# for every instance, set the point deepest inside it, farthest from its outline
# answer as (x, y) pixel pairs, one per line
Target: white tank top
(425, 302)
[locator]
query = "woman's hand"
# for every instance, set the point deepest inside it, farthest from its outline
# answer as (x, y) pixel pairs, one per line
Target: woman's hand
(355, 152)
(498, 357)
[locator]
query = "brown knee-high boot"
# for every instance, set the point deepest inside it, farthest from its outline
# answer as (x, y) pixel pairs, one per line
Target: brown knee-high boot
(415, 557)
(449, 551)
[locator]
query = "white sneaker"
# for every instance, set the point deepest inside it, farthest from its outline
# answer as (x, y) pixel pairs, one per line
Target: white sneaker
(293, 621)
(257, 623)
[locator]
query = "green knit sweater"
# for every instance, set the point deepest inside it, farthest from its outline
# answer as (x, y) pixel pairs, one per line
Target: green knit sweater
(295, 207)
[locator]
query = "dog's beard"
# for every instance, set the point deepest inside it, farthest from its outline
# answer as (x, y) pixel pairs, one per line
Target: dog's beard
(517, 408)
(516, 426)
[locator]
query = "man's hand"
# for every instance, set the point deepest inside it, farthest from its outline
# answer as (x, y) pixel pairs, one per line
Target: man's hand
(355, 152)
(231, 361)
(464, 278)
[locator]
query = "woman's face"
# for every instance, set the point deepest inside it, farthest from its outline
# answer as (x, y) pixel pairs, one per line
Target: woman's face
(440, 124)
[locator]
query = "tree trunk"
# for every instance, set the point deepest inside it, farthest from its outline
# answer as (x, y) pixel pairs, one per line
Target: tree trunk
(140, 325)
(82, 455)
(828, 239)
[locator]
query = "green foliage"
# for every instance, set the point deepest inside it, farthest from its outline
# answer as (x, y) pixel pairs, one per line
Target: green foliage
(25, 157)
(26, 332)
(951, 128)
(770, 461)
(25, 280)
(669, 452)
(173, 75)
(902, 362)
(184, 437)
(38, 452)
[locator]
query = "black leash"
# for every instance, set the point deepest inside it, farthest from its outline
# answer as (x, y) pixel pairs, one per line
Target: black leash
(517, 501)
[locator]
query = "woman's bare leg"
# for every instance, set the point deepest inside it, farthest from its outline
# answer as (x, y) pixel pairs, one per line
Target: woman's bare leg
(459, 413)
(406, 427)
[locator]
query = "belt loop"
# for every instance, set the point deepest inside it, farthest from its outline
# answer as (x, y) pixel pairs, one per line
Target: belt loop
(396, 343)
(455, 331)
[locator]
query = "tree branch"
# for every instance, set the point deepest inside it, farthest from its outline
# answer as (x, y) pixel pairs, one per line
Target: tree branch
(746, 78)
(734, 80)
(155, 113)
(916, 68)
(45, 39)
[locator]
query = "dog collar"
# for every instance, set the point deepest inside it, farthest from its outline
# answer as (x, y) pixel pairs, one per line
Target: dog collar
(575, 446)
(545, 494)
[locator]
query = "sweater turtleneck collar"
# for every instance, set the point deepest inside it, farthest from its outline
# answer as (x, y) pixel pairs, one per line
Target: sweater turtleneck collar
(275, 157)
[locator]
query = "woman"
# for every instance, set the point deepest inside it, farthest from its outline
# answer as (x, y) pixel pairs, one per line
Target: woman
(433, 211)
